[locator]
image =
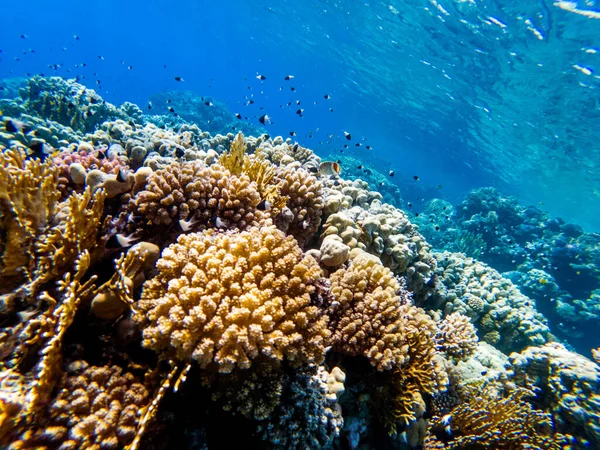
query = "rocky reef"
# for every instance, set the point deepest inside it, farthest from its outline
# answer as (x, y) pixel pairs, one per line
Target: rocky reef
(162, 286)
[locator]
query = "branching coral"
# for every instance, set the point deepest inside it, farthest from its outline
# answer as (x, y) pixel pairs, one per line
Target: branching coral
(203, 196)
(501, 423)
(96, 407)
(457, 336)
(226, 299)
(305, 203)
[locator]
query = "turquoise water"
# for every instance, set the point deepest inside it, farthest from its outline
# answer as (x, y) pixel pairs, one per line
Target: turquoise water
(475, 121)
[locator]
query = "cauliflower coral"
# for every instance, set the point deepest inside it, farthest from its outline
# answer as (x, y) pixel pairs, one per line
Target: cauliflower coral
(228, 298)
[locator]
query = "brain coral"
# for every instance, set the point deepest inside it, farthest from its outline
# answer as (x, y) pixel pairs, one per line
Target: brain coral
(228, 298)
(194, 192)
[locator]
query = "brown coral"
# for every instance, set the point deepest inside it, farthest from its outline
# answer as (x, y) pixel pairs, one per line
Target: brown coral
(198, 194)
(96, 407)
(501, 423)
(457, 336)
(226, 299)
(305, 193)
(367, 319)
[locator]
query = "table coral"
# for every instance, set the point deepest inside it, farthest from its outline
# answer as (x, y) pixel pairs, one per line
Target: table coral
(225, 299)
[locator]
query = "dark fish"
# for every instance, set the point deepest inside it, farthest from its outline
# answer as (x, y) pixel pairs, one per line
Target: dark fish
(171, 109)
(149, 105)
(121, 176)
(382, 184)
(24, 36)
(409, 204)
(327, 96)
(292, 133)
(391, 174)
(12, 126)
(264, 205)
(367, 171)
(330, 109)
(416, 178)
(168, 100)
(437, 228)
(238, 116)
(359, 167)
(339, 161)
(295, 148)
(368, 147)
(179, 153)
(129, 67)
(264, 119)
(289, 77)
(75, 37)
(300, 111)
(293, 88)
(101, 154)
(348, 135)
(261, 77)
(358, 144)
(179, 79)
(39, 150)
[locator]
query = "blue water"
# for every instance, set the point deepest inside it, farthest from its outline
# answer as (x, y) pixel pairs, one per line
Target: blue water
(462, 94)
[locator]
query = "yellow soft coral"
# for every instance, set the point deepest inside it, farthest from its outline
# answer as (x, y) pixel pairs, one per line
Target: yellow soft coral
(228, 298)
(28, 200)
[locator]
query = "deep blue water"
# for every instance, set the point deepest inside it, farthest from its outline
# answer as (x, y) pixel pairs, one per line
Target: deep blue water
(462, 94)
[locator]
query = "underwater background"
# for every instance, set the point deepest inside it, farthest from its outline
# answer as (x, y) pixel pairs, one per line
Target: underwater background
(427, 174)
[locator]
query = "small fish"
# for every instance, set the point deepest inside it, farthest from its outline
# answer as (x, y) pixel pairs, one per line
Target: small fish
(265, 119)
(368, 147)
(40, 150)
(416, 177)
(329, 168)
(264, 205)
(13, 126)
(348, 135)
(24, 36)
(171, 109)
(220, 223)
(293, 89)
(122, 176)
(208, 103)
(305, 224)
(149, 105)
(292, 133)
(358, 144)
(382, 184)
(120, 240)
(437, 228)
(187, 225)
(102, 154)
(543, 281)
(330, 109)
(327, 96)
(367, 171)
(295, 148)
(238, 116)
(446, 421)
(297, 102)
(261, 77)
(359, 167)
(129, 67)
(288, 77)
(101, 57)
(300, 111)
(391, 174)
(179, 153)
(168, 100)
(179, 79)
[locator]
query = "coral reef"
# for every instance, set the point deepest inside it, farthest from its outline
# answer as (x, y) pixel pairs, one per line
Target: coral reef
(226, 299)
(501, 423)
(567, 386)
(504, 317)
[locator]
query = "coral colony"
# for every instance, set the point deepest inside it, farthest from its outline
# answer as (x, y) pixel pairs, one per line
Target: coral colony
(162, 287)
